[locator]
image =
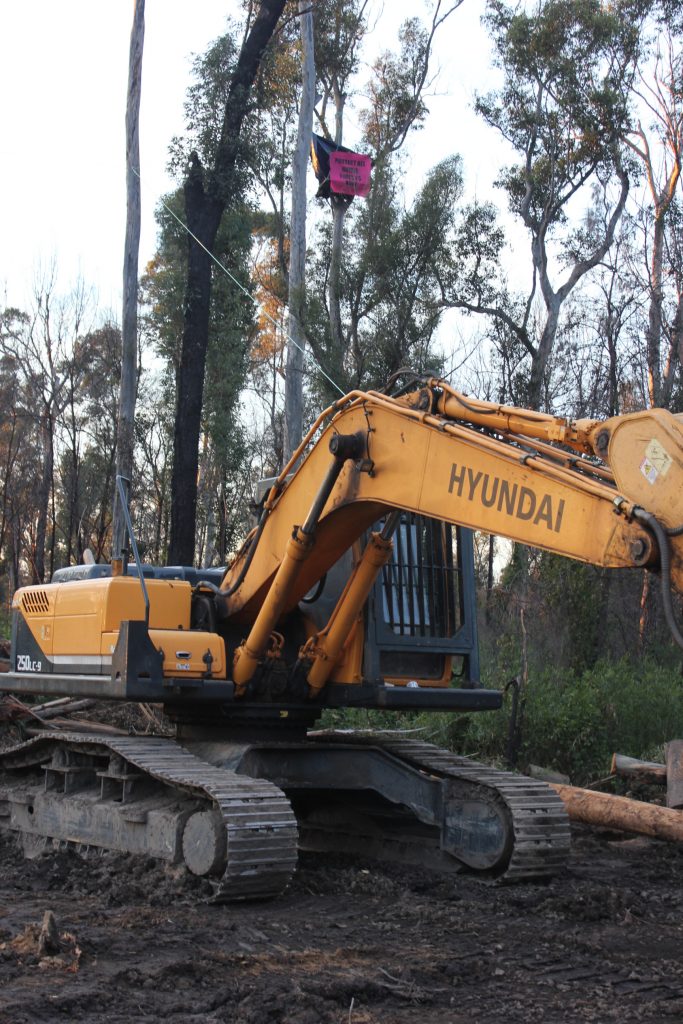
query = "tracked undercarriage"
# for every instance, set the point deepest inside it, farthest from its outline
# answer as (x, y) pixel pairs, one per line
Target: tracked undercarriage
(227, 810)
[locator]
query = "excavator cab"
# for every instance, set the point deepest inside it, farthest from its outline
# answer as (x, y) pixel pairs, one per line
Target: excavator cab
(419, 624)
(421, 619)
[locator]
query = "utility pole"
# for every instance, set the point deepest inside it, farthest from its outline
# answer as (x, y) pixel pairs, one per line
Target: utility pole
(297, 240)
(129, 321)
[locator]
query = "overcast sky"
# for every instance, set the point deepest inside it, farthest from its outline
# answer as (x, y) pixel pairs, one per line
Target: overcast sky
(63, 77)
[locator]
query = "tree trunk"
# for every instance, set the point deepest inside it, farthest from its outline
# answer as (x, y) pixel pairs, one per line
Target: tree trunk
(205, 202)
(607, 811)
(12, 556)
(646, 772)
(489, 576)
(539, 363)
(339, 207)
(297, 241)
(674, 774)
(203, 220)
(129, 319)
(643, 619)
(554, 299)
(653, 333)
(43, 499)
(53, 526)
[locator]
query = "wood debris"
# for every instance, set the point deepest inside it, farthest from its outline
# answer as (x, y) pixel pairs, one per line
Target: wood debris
(647, 772)
(44, 946)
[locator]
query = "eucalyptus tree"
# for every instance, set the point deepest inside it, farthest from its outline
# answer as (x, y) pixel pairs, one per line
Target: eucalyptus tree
(230, 326)
(87, 443)
(375, 306)
(41, 351)
(15, 440)
(658, 144)
(564, 108)
(297, 239)
(129, 320)
(340, 28)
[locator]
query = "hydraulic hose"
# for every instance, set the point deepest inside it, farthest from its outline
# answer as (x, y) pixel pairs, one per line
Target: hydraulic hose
(662, 538)
(251, 551)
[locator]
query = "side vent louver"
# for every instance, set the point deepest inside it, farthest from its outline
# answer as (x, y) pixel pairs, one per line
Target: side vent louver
(35, 602)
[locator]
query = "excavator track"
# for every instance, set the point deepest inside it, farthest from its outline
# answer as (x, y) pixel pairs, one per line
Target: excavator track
(539, 821)
(244, 825)
(533, 826)
(237, 827)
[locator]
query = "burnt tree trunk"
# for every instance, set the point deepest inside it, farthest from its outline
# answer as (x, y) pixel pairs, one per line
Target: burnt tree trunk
(208, 192)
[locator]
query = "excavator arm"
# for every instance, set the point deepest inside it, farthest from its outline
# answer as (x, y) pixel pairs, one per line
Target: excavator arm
(606, 493)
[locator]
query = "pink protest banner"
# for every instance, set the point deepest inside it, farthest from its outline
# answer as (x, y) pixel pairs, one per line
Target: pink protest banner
(350, 173)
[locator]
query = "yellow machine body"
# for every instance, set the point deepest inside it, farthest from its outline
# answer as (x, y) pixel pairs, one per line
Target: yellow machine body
(76, 625)
(583, 489)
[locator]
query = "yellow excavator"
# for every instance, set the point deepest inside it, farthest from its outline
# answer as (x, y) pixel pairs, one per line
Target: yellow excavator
(354, 589)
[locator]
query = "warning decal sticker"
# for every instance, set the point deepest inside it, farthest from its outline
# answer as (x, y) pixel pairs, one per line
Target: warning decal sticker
(658, 456)
(657, 461)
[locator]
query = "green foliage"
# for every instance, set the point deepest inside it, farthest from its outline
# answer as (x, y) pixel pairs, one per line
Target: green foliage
(395, 90)
(231, 315)
(338, 29)
(574, 722)
(573, 613)
(474, 265)
(565, 108)
(572, 594)
(390, 280)
(565, 101)
(205, 103)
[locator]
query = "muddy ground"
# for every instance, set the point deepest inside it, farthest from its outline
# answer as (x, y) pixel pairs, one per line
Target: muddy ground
(350, 943)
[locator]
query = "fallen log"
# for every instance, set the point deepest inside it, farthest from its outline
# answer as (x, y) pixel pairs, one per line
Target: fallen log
(13, 708)
(45, 712)
(79, 725)
(620, 812)
(647, 772)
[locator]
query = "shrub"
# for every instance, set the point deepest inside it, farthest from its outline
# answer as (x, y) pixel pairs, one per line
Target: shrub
(575, 722)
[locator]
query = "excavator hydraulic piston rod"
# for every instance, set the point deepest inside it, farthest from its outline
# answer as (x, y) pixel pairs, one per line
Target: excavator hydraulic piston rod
(327, 646)
(251, 652)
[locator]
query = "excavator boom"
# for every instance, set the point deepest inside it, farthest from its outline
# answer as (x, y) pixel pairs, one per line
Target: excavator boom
(432, 464)
(436, 453)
